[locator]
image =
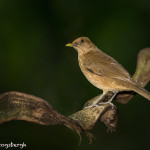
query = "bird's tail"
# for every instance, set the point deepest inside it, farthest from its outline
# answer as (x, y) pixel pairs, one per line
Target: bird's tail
(141, 91)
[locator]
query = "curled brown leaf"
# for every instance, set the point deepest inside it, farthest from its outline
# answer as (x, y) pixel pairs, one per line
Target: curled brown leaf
(22, 106)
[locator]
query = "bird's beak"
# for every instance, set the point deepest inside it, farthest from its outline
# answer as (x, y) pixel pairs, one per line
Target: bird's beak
(70, 44)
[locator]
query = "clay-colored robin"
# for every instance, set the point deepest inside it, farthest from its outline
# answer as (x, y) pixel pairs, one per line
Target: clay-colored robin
(103, 71)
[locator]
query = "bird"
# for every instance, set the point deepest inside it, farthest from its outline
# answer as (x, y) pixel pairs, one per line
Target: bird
(103, 71)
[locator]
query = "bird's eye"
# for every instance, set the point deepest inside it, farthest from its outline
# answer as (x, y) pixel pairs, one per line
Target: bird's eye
(82, 41)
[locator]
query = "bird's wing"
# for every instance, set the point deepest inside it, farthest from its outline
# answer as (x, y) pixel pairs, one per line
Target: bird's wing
(101, 64)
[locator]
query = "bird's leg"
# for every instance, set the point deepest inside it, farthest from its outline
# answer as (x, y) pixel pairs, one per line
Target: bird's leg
(101, 96)
(96, 101)
(113, 97)
(110, 101)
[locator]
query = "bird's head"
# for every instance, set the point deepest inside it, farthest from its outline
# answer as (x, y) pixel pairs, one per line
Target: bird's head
(81, 44)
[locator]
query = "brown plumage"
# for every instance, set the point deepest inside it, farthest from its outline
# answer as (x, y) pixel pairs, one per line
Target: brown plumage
(103, 71)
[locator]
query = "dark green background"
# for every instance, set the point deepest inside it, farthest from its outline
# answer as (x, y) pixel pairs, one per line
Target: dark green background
(34, 60)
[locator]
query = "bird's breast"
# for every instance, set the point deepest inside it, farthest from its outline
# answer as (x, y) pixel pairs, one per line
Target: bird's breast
(96, 80)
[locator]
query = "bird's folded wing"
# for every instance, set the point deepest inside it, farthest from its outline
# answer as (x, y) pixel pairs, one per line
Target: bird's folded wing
(103, 65)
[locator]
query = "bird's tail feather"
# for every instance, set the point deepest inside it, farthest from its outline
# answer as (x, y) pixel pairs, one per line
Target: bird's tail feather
(142, 92)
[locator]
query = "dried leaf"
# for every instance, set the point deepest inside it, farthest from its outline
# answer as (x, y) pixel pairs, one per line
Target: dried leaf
(21, 106)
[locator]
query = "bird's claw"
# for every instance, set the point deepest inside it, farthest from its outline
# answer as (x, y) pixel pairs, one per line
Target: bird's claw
(100, 105)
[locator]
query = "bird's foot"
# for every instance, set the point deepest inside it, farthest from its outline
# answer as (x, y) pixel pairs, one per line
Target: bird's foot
(109, 102)
(100, 105)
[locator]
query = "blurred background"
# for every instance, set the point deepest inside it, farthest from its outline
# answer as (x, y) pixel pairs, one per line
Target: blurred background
(34, 60)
